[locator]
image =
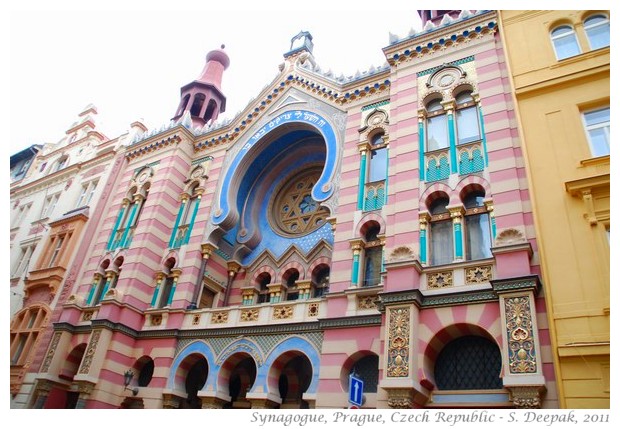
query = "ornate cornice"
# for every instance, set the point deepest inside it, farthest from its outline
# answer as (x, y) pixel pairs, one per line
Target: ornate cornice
(150, 146)
(348, 322)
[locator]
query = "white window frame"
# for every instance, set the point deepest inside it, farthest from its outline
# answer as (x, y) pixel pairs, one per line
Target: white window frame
(604, 125)
(87, 192)
(572, 34)
(587, 27)
(24, 259)
(50, 205)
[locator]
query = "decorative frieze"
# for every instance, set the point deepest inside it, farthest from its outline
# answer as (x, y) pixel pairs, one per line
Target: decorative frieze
(526, 396)
(313, 309)
(521, 349)
(400, 398)
(50, 352)
(398, 342)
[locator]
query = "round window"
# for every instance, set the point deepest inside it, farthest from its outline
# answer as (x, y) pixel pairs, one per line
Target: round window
(294, 211)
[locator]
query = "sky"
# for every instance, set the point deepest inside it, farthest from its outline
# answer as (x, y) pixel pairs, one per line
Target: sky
(130, 62)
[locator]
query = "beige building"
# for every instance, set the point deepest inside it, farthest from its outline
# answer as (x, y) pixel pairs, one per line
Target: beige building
(559, 63)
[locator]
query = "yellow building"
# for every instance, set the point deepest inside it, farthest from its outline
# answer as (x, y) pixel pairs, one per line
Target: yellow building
(559, 67)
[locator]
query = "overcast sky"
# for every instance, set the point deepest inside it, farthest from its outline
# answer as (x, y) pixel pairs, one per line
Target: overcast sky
(131, 63)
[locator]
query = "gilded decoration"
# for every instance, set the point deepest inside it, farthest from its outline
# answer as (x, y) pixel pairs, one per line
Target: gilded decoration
(479, 274)
(521, 351)
(196, 319)
(87, 315)
(155, 319)
(285, 312)
(526, 396)
(90, 352)
(50, 352)
(400, 398)
(294, 211)
(219, 317)
(439, 280)
(398, 345)
(313, 309)
(367, 302)
(249, 315)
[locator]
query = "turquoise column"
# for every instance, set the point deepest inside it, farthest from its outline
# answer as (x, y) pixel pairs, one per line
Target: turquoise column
(156, 293)
(105, 288)
(176, 223)
(423, 245)
(452, 137)
(116, 225)
(387, 175)
(174, 287)
(355, 269)
(360, 193)
(93, 287)
(134, 208)
(484, 138)
(421, 148)
(458, 236)
(191, 223)
(493, 227)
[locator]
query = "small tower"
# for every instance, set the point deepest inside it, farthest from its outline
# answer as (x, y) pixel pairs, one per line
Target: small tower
(203, 97)
(299, 43)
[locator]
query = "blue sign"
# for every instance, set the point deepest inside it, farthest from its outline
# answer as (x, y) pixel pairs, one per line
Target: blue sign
(356, 390)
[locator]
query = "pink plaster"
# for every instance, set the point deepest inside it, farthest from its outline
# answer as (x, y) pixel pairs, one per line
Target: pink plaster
(489, 53)
(405, 278)
(330, 385)
(509, 220)
(459, 313)
(548, 371)
(333, 359)
(489, 315)
(513, 264)
(430, 319)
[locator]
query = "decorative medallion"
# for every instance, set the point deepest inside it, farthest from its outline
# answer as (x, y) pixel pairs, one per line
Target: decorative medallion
(294, 211)
(196, 319)
(155, 319)
(219, 317)
(87, 315)
(480, 274)
(367, 302)
(90, 352)
(284, 312)
(398, 342)
(521, 349)
(439, 280)
(313, 309)
(249, 315)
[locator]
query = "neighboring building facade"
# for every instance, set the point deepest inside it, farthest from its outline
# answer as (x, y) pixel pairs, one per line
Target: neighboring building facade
(559, 63)
(55, 207)
(378, 225)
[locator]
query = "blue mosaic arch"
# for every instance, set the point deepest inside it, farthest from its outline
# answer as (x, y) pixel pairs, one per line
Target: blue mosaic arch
(201, 348)
(322, 190)
(290, 344)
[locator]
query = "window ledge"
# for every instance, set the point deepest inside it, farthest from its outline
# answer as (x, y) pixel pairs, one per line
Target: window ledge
(580, 57)
(599, 160)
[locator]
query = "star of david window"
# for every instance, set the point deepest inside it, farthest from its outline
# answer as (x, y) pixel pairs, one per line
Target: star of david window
(294, 211)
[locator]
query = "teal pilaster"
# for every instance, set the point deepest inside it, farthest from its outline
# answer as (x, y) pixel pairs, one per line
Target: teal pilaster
(116, 225)
(91, 294)
(423, 246)
(362, 179)
(105, 288)
(493, 227)
(452, 137)
(387, 175)
(156, 293)
(458, 241)
(421, 149)
(176, 224)
(174, 287)
(191, 223)
(355, 269)
(134, 208)
(483, 135)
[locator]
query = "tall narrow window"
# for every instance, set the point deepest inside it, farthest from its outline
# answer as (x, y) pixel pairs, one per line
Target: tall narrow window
(263, 294)
(436, 127)
(22, 212)
(24, 260)
(373, 257)
(86, 193)
(597, 30)
(597, 128)
(376, 175)
(58, 242)
(50, 205)
(166, 290)
(186, 219)
(25, 329)
(441, 233)
(467, 125)
(477, 227)
(60, 164)
(565, 42)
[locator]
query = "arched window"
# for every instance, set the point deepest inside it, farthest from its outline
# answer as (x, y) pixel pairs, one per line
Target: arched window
(373, 257)
(186, 216)
(60, 164)
(469, 363)
(477, 227)
(441, 235)
(263, 294)
(436, 126)
(25, 329)
(378, 159)
(467, 125)
(321, 281)
(210, 113)
(597, 30)
(199, 100)
(289, 279)
(565, 42)
(128, 217)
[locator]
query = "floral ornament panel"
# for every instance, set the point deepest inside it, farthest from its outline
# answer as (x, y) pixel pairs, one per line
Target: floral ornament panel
(521, 349)
(398, 345)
